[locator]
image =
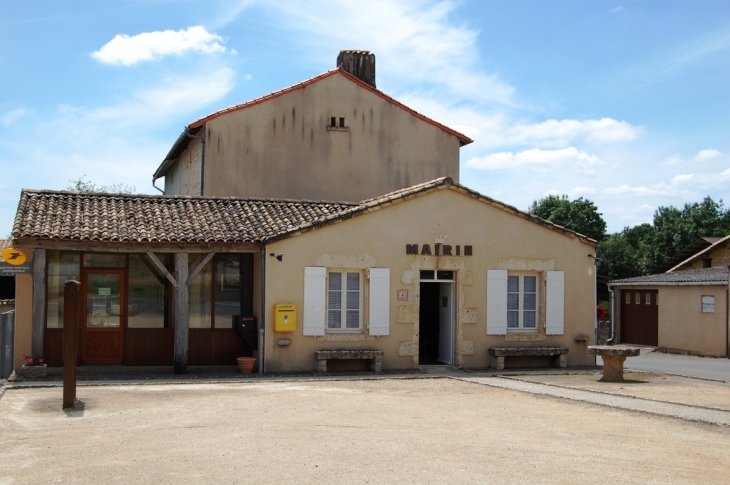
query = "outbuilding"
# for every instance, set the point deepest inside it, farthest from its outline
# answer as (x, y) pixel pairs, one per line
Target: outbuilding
(681, 311)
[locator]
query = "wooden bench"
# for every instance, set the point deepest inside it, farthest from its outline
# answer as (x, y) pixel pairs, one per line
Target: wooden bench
(497, 354)
(322, 356)
(613, 359)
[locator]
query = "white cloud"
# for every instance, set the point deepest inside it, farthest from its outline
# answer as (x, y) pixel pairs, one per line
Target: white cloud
(560, 132)
(704, 155)
(13, 116)
(641, 191)
(125, 50)
(416, 42)
(566, 157)
(672, 161)
(581, 191)
(702, 180)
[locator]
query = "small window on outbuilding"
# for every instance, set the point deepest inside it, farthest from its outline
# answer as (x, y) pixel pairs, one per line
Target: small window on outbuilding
(707, 263)
(708, 304)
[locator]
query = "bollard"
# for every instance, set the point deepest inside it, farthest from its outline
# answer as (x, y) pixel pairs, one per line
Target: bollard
(71, 313)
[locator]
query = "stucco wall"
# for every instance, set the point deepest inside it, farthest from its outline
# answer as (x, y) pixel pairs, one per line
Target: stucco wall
(282, 148)
(187, 170)
(500, 240)
(682, 325)
(23, 314)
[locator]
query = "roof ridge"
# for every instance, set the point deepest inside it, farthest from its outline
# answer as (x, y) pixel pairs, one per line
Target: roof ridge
(187, 197)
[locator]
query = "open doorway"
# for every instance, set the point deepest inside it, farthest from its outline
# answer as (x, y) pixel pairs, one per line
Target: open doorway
(436, 322)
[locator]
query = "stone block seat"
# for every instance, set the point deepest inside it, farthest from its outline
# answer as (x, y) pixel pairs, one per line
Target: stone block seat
(375, 356)
(498, 354)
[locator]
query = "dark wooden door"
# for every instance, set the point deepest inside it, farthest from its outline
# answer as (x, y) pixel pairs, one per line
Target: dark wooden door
(639, 317)
(104, 320)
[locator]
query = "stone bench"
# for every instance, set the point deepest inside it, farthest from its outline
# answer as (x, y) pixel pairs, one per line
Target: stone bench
(497, 354)
(613, 359)
(322, 356)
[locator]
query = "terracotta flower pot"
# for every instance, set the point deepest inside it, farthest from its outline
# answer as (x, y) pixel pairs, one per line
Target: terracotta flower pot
(245, 364)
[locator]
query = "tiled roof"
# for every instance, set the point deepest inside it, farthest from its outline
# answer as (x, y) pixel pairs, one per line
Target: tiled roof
(705, 276)
(73, 216)
(714, 244)
(687, 252)
(195, 126)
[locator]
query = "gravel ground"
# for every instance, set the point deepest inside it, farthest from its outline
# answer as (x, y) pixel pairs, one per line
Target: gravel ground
(351, 431)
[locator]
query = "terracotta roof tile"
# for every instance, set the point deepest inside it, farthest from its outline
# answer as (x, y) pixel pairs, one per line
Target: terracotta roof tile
(144, 218)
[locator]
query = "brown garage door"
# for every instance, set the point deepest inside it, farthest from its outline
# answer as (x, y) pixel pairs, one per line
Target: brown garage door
(639, 317)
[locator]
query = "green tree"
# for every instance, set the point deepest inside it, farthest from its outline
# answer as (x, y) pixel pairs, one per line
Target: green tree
(83, 185)
(580, 215)
(637, 250)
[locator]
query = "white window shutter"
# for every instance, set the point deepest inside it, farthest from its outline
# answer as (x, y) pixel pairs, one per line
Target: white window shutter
(496, 302)
(555, 308)
(379, 314)
(315, 293)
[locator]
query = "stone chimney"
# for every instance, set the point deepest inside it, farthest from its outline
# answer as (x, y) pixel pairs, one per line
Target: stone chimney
(360, 64)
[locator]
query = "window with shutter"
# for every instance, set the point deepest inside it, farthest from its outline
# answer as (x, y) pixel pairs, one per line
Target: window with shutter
(344, 300)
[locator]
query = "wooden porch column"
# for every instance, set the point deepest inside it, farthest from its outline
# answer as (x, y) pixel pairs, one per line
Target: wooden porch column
(182, 314)
(38, 311)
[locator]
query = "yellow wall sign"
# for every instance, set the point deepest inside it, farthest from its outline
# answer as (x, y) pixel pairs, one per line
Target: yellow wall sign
(13, 256)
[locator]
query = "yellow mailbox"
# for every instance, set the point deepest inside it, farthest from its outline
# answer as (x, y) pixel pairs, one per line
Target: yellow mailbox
(285, 317)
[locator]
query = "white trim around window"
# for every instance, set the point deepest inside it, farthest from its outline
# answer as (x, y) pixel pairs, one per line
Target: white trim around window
(523, 296)
(344, 300)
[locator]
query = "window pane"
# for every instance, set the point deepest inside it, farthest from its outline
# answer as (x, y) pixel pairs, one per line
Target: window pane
(513, 284)
(513, 319)
(648, 298)
(426, 274)
(529, 319)
(353, 319)
(353, 300)
(353, 281)
(146, 299)
(104, 260)
(530, 284)
(445, 275)
(530, 302)
(334, 302)
(228, 290)
(513, 301)
(628, 298)
(62, 266)
(334, 319)
(199, 293)
(103, 299)
(335, 281)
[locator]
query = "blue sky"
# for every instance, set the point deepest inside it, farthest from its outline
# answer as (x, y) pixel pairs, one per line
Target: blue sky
(625, 103)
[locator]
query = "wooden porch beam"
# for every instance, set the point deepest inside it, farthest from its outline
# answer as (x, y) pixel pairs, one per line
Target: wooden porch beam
(161, 268)
(199, 267)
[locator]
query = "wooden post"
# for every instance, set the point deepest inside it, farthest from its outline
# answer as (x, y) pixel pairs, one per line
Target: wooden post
(71, 313)
(182, 314)
(38, 308)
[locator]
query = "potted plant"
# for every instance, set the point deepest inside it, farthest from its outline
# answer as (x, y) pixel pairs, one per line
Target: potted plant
(34, 367)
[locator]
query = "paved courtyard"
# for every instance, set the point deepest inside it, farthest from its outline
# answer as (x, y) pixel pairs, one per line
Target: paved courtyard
(386, 430)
